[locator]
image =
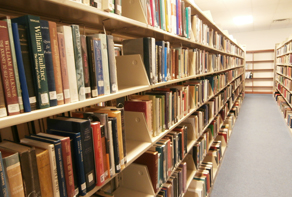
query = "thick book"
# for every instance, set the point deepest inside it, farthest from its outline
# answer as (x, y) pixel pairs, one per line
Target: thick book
(44, 171)
(21, 70)
(12, 168)
(78, 62)
(49, 62)
(105, 65)
(83, 127)
(7, 72)
(67, 161)
(52, 157)
(77, 158)
(64, 68)
(59, 160)
(4, 188)
(28, 165)
(14, 61)
(112, 64)
(37, 59)
(70, 62)
(3, 111)
(115, 142)
(56, 62)
(86, 71)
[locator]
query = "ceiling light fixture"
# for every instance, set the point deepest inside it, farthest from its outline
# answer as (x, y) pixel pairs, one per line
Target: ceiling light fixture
(243, 20)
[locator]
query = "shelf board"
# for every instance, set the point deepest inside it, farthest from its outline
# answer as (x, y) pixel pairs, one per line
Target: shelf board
(268, 69)
(261, 78)
(283, 64)
(288, 52)
(259, 86)
(260, 61)
(261, 51)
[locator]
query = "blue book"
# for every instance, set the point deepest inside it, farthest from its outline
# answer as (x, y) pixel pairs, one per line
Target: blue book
(21, 71)
(4, 190)
(160, 149)
(77, 158)
(98, 66)
(49, 62)
(59, 161)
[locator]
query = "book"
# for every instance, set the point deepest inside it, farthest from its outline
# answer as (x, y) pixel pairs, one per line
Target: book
(14, 61)
(111, 149)
(4, 188)
(52, 156)
(77, 158)
(28, 166)
(118, 7)
(36, 53)
(70, 62)
(3, 111)
(112, 64)
(115, 142)
(78, 62)
(85, 67)
(44, 171)
(7, 72)
(64, 68)
(83, 127)
(13, 171)
(67, 161)
(49, 62)
(56, 62)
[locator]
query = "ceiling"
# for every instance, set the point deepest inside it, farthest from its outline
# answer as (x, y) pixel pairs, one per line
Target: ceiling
(264, 12)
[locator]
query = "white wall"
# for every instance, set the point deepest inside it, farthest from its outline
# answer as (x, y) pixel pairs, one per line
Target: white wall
(257, 40)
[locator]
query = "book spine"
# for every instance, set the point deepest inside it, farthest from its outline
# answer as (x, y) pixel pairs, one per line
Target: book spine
(105, 66)
(14, 61)
(64, 67)
(116, 147)
(118, 7)
(112, 64)
(49, 62)
(111, 150)
(28, 70)
(34, 172)
(99, 167)
(68, 170)
(104, 153)
(20, 66)
(13, 171)
(70, 62)
(7, 72)
(4, 189)
(92, 67)
(146, 58)
(56, 62)
(85, 67)
(3, 111)
(44, 173)
(60, 169)
(98, 66)
(78, 62)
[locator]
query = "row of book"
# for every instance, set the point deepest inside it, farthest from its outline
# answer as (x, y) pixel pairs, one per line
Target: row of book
(164, 62)
(285, 70)
(286, 48)
(285, 59)
(285, 108)
(285, 93)
(285, 81)
(44, 65)
(112, 6)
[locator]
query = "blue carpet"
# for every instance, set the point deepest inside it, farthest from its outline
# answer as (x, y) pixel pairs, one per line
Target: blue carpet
(258, 160)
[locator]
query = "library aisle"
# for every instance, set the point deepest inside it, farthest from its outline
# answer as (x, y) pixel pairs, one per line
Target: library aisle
(258, 159)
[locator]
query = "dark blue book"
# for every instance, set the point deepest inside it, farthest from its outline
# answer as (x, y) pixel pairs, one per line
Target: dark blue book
(49, 62)
(98, 65)
(59, 161)
(83, 127)
(77, 158)
(21, 70)
(116, 144)
(4, 190)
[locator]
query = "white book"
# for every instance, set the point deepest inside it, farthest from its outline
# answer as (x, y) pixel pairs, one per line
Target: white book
(67, 31)
(51, 150)
(111, 149)
(104, 60)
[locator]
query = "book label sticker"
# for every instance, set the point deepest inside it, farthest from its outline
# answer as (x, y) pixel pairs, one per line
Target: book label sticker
(20, 100)
(114, 87)
(100, 83)
(3, 112)
(87, 90)
(83, 186)
(102, 178)
(118, 167)
(44, 98)
(67, 93)
(76, 192)
(106, 173)
(94, 93)
(53, 95)
(60, 97)
(13, 108)
(122, 161)
(82, 91)
(90, 177)
(32, 99)
(119, 8)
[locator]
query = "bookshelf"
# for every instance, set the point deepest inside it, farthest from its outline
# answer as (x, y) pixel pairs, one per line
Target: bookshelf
(260, 64)
(92, 20)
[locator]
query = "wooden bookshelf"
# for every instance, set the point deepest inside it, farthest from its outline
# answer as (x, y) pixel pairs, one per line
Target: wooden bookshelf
(260, 64)
(92, 20)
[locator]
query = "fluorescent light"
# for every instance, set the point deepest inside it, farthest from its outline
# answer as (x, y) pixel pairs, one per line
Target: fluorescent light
(243, 20)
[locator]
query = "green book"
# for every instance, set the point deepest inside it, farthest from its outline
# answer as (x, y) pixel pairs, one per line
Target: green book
(36, 52)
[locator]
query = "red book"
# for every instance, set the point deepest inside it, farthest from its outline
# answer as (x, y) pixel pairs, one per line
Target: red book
(67, 162)
(98, 153)
(152, 12)
(7, 71)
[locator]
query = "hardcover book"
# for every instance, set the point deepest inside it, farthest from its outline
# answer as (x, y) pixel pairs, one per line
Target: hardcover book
(3, 111)
(4, 188)
(85, 67)
(112, 64)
